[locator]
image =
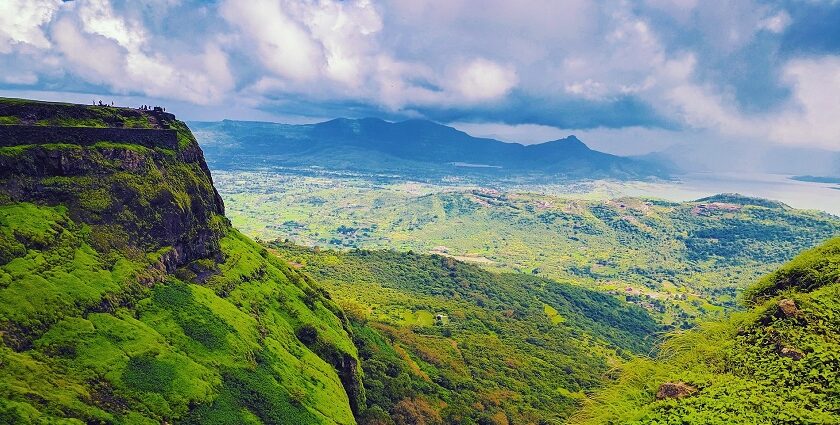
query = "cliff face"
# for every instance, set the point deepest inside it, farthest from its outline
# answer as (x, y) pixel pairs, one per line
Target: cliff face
(146, 191)
(126, 297)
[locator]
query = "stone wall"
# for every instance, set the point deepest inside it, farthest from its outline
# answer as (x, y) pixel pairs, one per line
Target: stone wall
(15, 135)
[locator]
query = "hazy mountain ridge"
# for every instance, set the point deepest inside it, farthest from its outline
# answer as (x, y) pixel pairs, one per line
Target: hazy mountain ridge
(415, 147)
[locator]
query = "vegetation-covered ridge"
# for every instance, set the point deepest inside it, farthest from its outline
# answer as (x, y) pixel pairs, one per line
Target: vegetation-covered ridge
(778, 362)
(442, 341)
(126, 297)
(58, 114)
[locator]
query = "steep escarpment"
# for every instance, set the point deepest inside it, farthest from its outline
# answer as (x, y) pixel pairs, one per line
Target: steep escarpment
(135, 190)
(126, 297)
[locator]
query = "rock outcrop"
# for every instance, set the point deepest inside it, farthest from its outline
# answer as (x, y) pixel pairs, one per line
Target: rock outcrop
(146, 188)
(674, 390)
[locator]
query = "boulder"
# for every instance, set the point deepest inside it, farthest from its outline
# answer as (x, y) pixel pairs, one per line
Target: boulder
(674, 390)
(791, 353)
(788, 308)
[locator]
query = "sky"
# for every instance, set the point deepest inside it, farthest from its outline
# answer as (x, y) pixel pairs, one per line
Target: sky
(628, 77)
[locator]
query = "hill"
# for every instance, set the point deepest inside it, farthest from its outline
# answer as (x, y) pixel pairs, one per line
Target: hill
(126, 296)
(470, 345)
(778, 362)
(411, 148)
(679, 260)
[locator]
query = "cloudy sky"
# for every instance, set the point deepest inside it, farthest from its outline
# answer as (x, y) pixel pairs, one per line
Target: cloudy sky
(626, 76)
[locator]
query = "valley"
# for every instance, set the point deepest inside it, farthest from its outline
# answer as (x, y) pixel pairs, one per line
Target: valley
(679, 260)
(470, 343)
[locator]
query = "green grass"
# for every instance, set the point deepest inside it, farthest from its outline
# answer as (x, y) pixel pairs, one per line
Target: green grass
(808, 271)
(178, 350)
(740, 366)
(70, 115)
(94, 330)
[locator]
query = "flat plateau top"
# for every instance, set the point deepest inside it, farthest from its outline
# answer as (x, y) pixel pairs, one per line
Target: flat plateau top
(38, 113)
(28, 122)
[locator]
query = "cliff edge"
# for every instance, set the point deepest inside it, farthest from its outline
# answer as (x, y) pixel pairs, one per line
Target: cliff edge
(126, 296)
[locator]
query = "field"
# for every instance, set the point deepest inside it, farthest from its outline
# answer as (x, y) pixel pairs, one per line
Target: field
(680, 261)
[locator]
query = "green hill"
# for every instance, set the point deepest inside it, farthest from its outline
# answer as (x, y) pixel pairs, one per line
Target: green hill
(126, 297)
(469, 344)
(778, 362)
(681, 261)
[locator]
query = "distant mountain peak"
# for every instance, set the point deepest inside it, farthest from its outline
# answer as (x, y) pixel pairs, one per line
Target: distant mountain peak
(567, 145)
(422, 146)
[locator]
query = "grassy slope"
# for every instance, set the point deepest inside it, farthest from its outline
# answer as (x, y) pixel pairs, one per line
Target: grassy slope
(746, 369)
(513, 345)
(95, 331)
(174, 347)
(678, 260)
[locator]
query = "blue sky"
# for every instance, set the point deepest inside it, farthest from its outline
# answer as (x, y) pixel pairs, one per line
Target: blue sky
(627, 76)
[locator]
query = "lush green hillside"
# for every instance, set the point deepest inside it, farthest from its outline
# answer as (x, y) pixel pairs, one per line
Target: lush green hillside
(471, 345)
(778, 362)
(678, 260)
(126, 297)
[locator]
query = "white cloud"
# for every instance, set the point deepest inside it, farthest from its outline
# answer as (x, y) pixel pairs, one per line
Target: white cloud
(20, 78)
(282, 45)
(809, 118)
(305, 41)
(21, 22)
(481, 79)
(98, 17)
(424, 54)
(348, 33)
(106, 48)
(812, 119)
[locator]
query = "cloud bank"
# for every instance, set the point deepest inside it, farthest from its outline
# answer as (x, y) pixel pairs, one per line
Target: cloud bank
(759, 71)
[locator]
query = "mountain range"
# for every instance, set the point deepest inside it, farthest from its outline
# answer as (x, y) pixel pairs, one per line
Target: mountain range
(415, 147)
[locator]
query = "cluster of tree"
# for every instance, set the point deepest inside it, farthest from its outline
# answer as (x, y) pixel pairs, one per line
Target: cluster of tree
(512, 347)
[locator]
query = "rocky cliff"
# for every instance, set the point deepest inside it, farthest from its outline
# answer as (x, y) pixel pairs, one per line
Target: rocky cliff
(126, 297)
(134, 192)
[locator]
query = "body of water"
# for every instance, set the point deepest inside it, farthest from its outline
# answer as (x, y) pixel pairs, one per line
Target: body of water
(797, 194)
